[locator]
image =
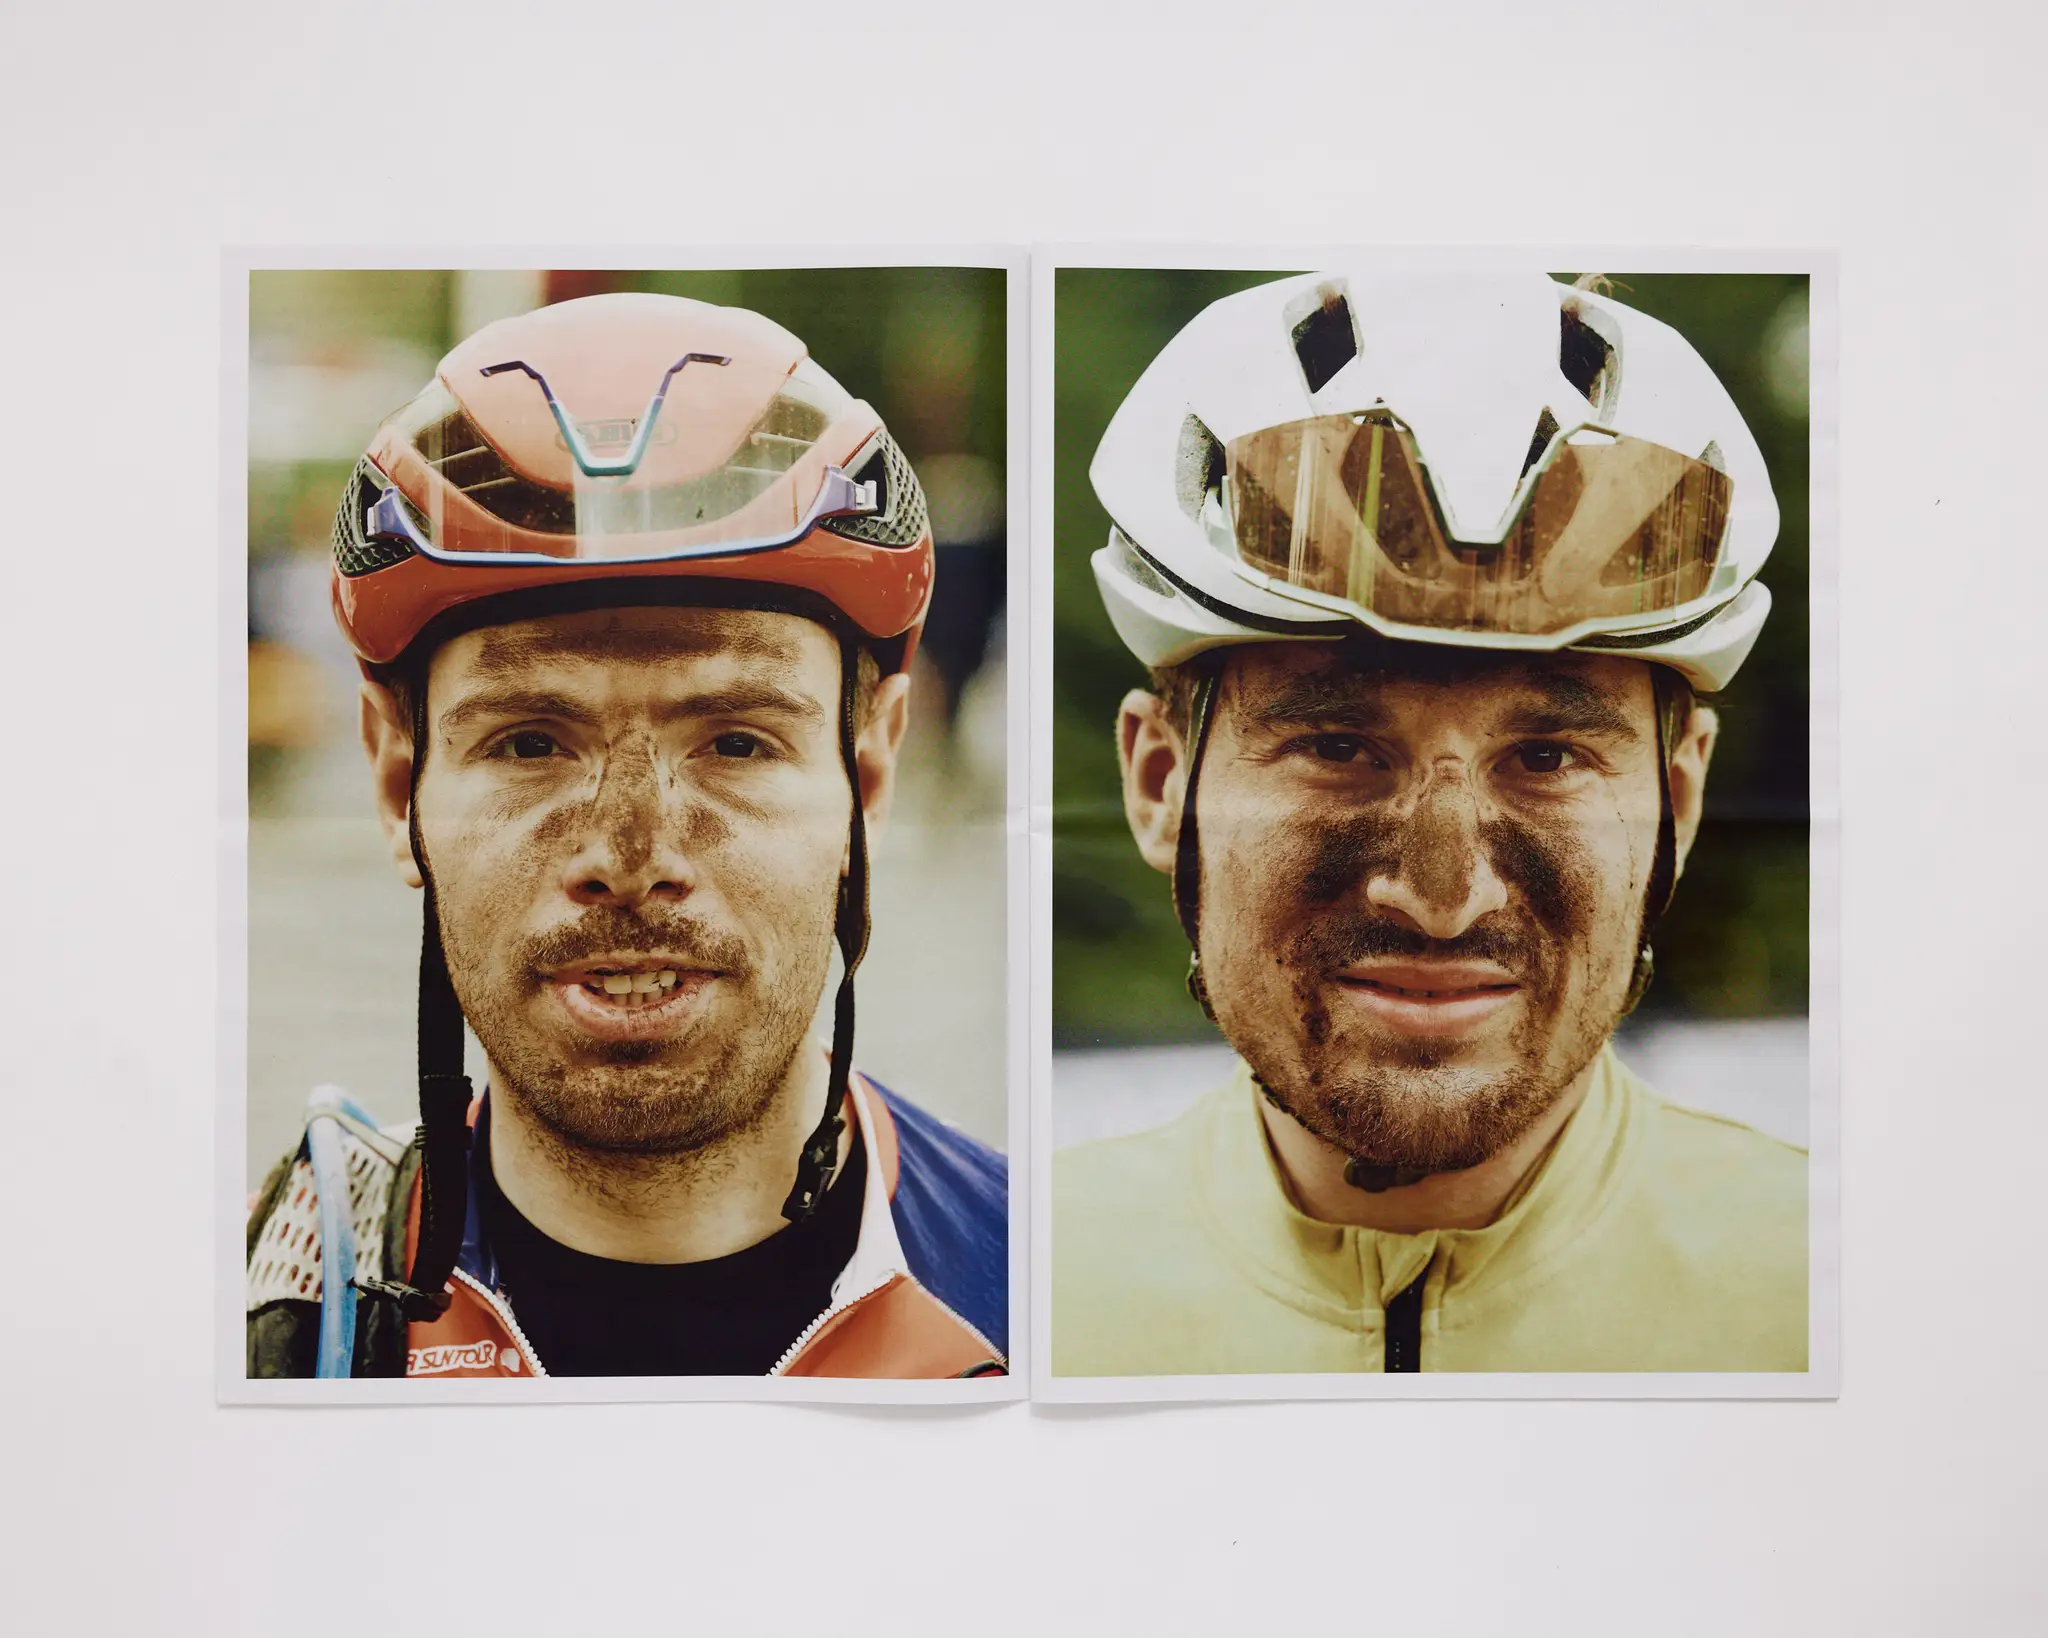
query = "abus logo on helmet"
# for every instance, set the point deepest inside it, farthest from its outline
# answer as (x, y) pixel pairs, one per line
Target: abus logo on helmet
(615, 433)
(451, 1356)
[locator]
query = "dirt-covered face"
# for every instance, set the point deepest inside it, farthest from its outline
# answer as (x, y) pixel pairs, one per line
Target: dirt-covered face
(636, 822)
(1421, 888)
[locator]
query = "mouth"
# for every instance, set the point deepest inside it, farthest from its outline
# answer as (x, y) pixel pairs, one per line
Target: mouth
(1429, 998)
(630, 998)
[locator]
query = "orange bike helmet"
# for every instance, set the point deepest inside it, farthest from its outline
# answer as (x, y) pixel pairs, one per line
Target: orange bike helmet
(637, 439)
(610, 451)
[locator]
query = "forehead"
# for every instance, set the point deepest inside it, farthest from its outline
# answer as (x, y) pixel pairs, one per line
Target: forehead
(635, 643)
(1305, 679)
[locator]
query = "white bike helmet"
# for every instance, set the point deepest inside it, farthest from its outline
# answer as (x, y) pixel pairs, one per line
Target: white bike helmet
(1484, 460)
(1478, 460)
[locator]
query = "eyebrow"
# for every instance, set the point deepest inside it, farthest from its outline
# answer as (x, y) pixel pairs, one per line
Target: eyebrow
(735, 699)
(1570, 705)
(512, 702)
(745, 699)
(1317, 696)
(1563, 704)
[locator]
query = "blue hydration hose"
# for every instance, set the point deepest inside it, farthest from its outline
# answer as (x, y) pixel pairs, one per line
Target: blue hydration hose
(324, 1112)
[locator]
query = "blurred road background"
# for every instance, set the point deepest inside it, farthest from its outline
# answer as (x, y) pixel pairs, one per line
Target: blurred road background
(334, 935)
(1752, 1070)
(1723, 1027)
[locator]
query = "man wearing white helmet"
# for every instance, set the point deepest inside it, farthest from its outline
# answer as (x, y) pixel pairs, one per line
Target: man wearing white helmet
(1429, 573)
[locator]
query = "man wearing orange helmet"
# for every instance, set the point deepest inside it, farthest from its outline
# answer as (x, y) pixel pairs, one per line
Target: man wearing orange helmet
(635, 586)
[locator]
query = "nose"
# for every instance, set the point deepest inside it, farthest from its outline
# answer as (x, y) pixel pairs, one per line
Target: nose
(628, 851)
(1441, 881)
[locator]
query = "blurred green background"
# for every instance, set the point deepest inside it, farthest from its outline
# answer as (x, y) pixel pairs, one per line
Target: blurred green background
(334, 936)
(1734, 944)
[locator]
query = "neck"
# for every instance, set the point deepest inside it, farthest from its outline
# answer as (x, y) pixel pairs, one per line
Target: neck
(685, 1208)
(1472, 1198)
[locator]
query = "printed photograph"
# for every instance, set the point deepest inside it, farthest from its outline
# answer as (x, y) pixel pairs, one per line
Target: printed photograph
(626, 862)
(1431, 864)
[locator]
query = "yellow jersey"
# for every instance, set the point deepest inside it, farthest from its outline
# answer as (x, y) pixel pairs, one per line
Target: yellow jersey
(1648, 1238)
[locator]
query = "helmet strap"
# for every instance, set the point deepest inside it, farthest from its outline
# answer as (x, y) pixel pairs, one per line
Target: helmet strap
(1187, 853)
(1360, 1172)
(820, 1158)
(444, 1090)
(1664, 863)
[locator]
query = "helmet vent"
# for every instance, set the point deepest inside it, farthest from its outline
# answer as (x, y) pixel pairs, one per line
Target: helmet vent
(354, 552)
(1546, 433)
(1197, 467)
(901, 519)
(1590, 360)
(1324, 333)
(465, 459)
(454, 447)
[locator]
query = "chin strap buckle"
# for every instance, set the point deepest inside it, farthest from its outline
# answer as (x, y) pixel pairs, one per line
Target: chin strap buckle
(421, 1307)
(1376, 1177)
(814, 1171)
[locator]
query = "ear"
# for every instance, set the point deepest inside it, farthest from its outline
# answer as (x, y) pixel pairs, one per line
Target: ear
(876, 746)
(1689, 759)
(1152, 754)
(387, 741)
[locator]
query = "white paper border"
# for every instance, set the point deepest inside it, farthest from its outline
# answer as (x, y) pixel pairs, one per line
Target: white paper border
(1822, 1378)
(231, 1386)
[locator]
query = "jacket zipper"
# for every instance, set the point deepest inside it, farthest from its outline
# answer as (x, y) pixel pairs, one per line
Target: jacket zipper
(1404, 1327)
(809, 1331)
(994, 1353)
(837, 1308)
(503, 1310)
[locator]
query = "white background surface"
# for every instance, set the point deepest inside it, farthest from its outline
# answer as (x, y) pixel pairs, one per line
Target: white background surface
(137, 140)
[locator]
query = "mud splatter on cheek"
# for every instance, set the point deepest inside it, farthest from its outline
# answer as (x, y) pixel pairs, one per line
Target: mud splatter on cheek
(1332, 860)
(1315, 1017)
(1307, 862)
(552, 830)
(1550, 866)
(697, 826)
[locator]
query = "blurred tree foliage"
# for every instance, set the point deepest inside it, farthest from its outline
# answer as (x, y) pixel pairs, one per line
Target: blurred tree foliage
(1735, 941)
(924, 345)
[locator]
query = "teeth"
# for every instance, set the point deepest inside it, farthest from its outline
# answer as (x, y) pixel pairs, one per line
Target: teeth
(634, 989)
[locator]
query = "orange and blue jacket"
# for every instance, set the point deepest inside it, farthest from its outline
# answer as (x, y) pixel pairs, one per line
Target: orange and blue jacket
(925, 1294)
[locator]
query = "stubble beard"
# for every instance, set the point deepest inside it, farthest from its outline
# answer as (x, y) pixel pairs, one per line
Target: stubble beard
(1403, 1101)
(624, 1106)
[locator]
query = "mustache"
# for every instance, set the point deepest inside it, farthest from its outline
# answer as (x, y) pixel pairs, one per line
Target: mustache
(607, 930)
(1338, 940)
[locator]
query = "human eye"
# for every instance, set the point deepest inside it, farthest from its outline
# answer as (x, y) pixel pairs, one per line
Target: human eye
(1544, 756)
(1343, 750)
(739, 745)
(526, 745)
